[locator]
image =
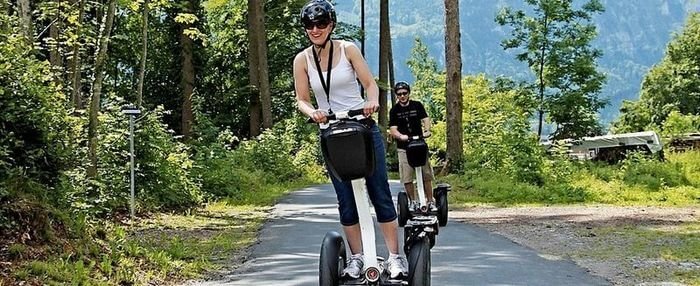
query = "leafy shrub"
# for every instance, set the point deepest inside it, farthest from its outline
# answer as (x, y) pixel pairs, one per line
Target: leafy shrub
(638, 169)
(287, 152)
(492, 187)
(162, 178)
(33, 122)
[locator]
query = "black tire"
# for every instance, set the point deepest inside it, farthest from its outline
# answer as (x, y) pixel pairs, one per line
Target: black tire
(402, 208)
(332, 260)
(442, 208)
(419, 263)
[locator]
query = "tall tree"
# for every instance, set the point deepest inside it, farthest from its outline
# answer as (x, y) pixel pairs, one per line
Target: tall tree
(391, 69)
(100, 59)
(255, 107)
(144, 53)
(453, 86)
(75, 68)
(259, 86)
(187, 71)
(55, 56)
(555, 42)
(384, 35)
(25, 16)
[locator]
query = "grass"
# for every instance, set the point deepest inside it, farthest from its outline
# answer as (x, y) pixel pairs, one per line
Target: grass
(162, 249)
(650, 248)
(637, 181)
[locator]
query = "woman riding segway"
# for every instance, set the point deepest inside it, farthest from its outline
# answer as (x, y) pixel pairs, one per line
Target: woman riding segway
(330, 68)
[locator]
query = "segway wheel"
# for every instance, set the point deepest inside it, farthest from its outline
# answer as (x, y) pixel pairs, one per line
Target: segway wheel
(332, 260)
(402, 208)
(442, 208)
(419, 263)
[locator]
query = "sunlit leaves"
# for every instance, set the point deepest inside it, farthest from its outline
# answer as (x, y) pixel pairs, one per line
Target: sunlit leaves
(673, 85)
(554, 40)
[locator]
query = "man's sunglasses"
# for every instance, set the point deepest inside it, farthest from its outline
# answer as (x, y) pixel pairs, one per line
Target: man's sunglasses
(320, 25)
(402, 93)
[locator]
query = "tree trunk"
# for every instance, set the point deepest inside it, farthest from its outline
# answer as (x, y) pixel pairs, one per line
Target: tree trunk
(383, 63)
(263, 76)
(55, 57)
(144, 53)
(255, 108)
(187, 80)
(453, 61)
(543, 50)
(25, 14)
(100, 59)
(392, 80)
(362, 26)
(76, 72)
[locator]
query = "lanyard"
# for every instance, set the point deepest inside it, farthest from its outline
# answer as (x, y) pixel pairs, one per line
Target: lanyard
(327, 83)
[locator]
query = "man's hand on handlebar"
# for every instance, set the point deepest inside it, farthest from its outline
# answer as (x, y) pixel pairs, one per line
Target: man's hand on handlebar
(403, 137)
(370, 107)
(319, 116)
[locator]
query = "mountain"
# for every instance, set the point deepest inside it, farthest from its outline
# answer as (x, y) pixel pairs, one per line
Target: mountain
(632, 35)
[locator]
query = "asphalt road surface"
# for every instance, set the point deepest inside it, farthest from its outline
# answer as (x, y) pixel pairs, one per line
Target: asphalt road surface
(288, 250)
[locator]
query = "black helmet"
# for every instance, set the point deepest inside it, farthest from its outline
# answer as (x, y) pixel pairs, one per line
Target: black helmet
(317, 11)
(402, 85)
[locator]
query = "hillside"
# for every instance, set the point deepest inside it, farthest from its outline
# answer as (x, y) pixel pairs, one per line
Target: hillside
(632, 35)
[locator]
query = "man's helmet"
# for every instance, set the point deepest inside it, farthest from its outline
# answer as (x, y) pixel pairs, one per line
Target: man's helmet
(317, 11)
(402, 85)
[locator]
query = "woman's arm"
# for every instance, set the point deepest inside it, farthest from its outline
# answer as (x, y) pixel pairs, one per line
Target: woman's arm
(301, 89)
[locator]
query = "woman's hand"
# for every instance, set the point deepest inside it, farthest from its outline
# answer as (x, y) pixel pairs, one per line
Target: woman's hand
(319, 116)
(370, 107)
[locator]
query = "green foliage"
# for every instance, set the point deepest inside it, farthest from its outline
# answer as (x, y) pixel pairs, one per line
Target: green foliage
(225, 87)
(677, 124)
(555, 42)
(671, 85)
(639, 169)
(287, 152)
(496, 132)
(498, 188)
(33, 123)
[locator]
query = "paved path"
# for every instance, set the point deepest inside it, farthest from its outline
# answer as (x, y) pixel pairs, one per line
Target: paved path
(289, 246)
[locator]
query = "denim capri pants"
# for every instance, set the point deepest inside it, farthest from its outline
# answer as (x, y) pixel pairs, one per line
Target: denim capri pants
(377, 188)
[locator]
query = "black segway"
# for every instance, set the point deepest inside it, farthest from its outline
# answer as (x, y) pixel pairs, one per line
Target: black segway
(348, 150)
(417, 155)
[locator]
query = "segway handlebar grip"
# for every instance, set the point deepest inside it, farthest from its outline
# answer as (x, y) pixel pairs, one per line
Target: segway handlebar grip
(340, 115)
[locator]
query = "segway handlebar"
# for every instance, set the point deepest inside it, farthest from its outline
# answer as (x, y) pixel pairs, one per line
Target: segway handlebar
(417, 137)
(340, 115)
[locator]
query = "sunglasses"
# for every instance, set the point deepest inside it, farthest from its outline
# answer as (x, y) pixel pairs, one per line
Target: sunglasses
(320, 25)
(402, 94)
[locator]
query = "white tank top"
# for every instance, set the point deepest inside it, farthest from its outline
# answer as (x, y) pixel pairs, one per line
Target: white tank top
(344, 92)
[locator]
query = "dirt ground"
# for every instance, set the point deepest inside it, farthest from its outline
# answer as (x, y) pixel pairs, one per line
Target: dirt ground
(582, 234)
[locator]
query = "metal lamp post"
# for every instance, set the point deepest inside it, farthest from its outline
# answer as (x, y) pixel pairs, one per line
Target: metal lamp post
(131, 111)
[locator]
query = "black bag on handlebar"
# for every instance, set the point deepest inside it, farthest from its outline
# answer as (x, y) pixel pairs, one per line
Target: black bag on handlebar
(348, 150)
(417, 153)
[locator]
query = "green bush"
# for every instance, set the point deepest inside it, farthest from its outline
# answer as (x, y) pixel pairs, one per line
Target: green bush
(655, 174)
(230, 168)
(492, 187)
(33, 121)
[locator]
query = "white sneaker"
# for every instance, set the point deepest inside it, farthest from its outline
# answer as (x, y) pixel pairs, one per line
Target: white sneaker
(397, 266)
(432, 207)
(354, 267)
(412, 206)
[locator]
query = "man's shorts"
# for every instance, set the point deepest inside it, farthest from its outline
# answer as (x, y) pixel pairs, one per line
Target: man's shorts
(408, 173)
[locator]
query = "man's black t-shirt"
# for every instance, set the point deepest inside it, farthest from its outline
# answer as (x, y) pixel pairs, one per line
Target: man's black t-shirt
(407, 119)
